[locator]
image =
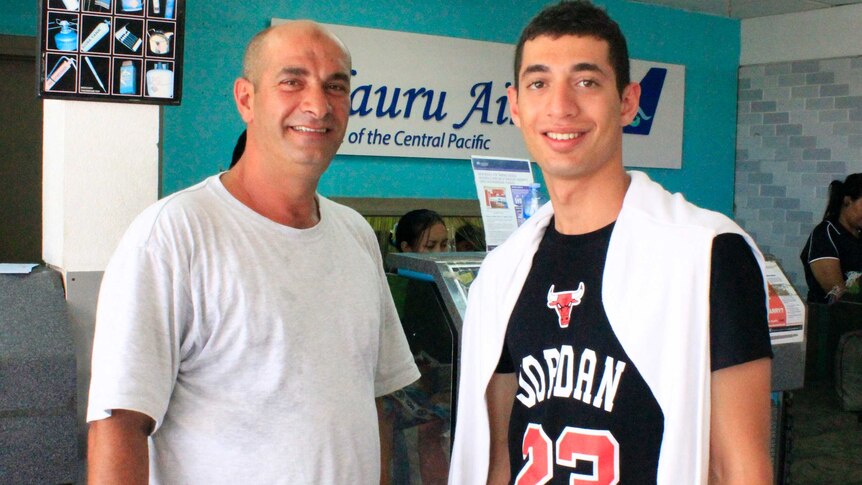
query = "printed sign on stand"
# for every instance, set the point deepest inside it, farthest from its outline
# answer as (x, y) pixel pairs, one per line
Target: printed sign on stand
(786, 309)
(500, 184)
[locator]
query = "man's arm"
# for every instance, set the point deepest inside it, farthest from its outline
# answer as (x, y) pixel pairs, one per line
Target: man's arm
(117, 449)
(740, 424)
(386, 429)
(500, 396)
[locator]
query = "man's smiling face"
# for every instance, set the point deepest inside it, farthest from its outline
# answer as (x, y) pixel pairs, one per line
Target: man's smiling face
(568, 107)
(301, 96)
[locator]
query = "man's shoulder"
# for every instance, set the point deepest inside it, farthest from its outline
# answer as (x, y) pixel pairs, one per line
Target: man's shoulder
(344, 218)
(649, 202)
(169, 211)
(341, 211)
(522, 243)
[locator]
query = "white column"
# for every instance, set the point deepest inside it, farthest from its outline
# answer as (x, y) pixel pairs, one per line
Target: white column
(101, 168)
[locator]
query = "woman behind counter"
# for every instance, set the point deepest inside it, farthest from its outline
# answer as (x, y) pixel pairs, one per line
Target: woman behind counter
(423, 405)
(833, 253)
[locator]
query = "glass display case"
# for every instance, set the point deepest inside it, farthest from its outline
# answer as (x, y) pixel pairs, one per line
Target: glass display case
(430, 291)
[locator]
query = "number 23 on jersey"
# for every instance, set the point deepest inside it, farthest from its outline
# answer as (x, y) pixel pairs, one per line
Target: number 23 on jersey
(573, 446)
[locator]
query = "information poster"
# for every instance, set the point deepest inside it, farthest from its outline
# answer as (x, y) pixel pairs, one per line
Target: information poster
(112, 50)
(786, 310)
(501, 184)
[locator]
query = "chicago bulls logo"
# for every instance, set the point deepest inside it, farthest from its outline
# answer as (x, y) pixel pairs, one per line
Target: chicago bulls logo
(563, 302)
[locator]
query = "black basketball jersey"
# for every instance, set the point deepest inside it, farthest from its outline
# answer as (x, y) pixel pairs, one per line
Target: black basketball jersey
(576, 383)
(582, 409)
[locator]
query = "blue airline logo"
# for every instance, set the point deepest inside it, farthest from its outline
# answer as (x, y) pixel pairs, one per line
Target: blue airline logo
(651, 86)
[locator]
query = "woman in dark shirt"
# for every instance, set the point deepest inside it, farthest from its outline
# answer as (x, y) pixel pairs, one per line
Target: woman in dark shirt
(833, 254)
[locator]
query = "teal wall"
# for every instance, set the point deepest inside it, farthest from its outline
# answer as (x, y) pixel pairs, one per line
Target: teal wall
(199, 135)
(19, 17)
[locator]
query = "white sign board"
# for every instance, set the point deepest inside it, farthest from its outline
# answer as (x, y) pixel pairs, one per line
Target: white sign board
(425, 96)
(654, 138)
(786, 309)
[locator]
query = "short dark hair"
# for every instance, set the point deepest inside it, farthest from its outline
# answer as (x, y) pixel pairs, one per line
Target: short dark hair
(583, 19)
(413, 224)
(851, 187)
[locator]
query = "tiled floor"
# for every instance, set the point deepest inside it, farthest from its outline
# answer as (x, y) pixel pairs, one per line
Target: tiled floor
(826, 444)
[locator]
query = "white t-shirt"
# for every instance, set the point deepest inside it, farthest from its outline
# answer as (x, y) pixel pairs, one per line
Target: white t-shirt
(257, 348)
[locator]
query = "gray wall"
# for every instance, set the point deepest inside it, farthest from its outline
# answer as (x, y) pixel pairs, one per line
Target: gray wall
(799, 127)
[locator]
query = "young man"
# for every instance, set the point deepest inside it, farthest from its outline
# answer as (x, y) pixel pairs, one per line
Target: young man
(245, 326)
(620, 335)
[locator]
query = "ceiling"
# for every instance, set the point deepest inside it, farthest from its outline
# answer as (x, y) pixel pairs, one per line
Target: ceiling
(746, 9)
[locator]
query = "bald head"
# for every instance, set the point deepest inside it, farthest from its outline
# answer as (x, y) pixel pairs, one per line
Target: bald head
(294, 29)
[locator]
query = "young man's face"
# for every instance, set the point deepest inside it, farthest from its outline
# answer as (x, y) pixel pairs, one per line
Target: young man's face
(568, 107)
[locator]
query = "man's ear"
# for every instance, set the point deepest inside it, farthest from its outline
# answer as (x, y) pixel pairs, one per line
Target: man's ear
(405, 248)
(243, 95)
(630, 103)
(512, 93)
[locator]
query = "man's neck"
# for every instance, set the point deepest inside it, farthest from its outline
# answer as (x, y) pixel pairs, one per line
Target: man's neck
(290, 201)
(586, 204)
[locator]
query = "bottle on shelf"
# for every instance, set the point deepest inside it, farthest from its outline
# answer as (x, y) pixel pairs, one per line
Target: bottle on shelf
(67, 38)
(532, 201)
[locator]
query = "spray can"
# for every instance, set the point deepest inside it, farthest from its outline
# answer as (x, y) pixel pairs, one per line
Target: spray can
(67, 38)
(532, 201)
